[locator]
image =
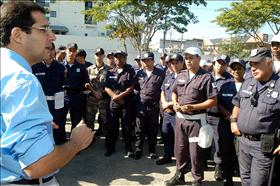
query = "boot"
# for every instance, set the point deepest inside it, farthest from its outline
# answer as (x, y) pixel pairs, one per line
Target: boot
(177, 179)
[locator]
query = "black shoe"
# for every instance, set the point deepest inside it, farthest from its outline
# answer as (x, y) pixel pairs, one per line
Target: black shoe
(109, 152)
(164, 160)
(196, 183)
(137, 155)
(218, 173)
(153, 155)
(228, 182)
(177, 179)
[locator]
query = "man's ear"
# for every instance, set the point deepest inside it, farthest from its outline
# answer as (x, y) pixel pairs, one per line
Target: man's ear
(17, 35)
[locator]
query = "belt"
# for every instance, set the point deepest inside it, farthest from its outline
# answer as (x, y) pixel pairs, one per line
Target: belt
(50, 98)
(201, 117)
(73, 92)
(32, 182)
(214, 114)
(256, 137)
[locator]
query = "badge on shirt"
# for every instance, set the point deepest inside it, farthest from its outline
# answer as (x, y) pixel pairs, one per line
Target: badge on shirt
(247, 92)
(274, 94)
(227, 95)
(78, 70)
(166, 84)
(40, 74)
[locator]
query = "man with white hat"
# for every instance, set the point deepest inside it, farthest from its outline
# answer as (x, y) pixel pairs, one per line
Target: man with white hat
(194, 91)
(275, 49)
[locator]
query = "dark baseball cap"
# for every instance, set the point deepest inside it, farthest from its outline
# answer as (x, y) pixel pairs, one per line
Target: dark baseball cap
(120, 52)
(258, 54)
(72, 45)
(148, 55)
(99, 51)
(237, 61)
(110, 54)
(61, 49)
(177, 57)
(81, 52)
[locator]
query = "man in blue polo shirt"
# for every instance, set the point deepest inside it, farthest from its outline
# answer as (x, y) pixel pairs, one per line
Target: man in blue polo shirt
(28, 153)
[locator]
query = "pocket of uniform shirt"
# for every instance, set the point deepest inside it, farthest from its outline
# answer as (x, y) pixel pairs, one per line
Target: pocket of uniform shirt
(267, 105)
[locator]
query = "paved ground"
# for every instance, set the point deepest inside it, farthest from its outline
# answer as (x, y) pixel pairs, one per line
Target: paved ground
(91, 167)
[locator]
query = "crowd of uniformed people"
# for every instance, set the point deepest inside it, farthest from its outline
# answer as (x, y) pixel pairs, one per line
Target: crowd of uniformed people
(184, 95)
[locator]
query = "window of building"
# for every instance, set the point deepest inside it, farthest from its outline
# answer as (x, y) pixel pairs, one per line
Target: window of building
(52, 13)
(88, 5)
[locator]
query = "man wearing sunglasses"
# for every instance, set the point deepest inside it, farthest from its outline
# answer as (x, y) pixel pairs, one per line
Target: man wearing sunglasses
(255, 117)
(28, 153)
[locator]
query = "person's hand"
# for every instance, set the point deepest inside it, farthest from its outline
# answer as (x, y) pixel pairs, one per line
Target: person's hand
(97, 95)
(234, 129)
(277, 150)
(176, 107)
(186, 108)
(54, 125)
(81, 136)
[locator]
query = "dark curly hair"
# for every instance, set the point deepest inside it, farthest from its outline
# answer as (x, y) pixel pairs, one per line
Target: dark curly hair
(17, 14)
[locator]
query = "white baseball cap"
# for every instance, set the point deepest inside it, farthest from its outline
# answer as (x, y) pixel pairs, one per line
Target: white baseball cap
(193, 51)
(276, 38)
(203, 62)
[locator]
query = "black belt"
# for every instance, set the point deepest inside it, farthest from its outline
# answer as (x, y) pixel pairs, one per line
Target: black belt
(32, 182)
(214, 114)
(256, 137)
(73, 92)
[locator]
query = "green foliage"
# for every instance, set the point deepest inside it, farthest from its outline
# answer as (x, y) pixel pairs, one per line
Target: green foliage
(234, 48)
(139, 20)
(248, 16)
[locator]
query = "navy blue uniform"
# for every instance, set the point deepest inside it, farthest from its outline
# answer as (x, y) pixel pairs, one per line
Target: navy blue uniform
(76, 77)
(52, 79)
(224, 140)
(119, 82)
(148, 107)
(169, 119)
(259, 114)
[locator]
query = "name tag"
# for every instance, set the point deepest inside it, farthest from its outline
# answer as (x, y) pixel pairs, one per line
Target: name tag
(227, 95)
(181, 81)
(113, 77)
(247, 92)
(40, 74)
(166, 84)
(78, 70)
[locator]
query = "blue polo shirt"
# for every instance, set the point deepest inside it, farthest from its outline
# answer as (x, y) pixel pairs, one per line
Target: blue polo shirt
(26, 130)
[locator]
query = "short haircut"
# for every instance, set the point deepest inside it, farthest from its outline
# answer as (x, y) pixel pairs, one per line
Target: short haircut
(17, 14)
(81, 53)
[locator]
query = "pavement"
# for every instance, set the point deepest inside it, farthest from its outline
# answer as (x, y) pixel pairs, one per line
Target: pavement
(91, 167)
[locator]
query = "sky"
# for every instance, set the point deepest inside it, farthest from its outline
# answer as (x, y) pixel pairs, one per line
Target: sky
(204, 29)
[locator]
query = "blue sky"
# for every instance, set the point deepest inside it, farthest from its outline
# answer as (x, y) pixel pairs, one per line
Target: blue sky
(204, 29)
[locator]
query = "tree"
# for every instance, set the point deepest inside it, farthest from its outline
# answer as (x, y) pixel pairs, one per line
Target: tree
(139, 20)
(234, 48)
(249, 16)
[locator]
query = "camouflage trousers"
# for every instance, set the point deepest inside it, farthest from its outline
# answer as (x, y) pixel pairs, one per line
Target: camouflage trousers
(94, 106)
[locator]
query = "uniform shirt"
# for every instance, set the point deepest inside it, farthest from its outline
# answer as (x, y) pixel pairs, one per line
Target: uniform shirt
(196, 90)
(149, 87)
(76, 76)
(26, 130)
(97, 77)
(167, 86)
(88, 64)
(265, 116)
(226, 92)
(52, 78)
(119, 82)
